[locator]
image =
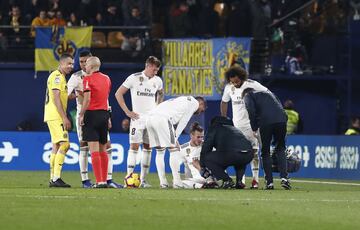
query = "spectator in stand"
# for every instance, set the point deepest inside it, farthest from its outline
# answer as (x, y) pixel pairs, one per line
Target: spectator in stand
(31, 9)
(51, 17)
(15, 34)
(355, 5)
(294, 123)
(112, 18)
(99, 20)
(73, 20)
(133, 38)
(354, 129)
(179, 21)
(59, 20)
(142, 5)
(54, 5)
(40, 20)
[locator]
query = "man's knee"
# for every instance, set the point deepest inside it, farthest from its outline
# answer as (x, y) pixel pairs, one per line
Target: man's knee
(64, 147)
(134, 146)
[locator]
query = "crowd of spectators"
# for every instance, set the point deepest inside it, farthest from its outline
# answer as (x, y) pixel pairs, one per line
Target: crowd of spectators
(176, 18)
(14, 14)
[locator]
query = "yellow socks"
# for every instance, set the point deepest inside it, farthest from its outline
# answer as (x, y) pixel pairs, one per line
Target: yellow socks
(59, 161)
(52, 163)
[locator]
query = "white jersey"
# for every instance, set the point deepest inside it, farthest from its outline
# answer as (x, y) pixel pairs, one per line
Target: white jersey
(189, 153)
(178, 110)
(240, 114)
(76, 83)
(143, 91)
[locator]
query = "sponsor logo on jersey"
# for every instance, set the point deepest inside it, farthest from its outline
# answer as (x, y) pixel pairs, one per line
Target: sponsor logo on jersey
(57, 80)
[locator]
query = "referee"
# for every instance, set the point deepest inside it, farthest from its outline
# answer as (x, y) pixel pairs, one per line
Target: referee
(95, 118)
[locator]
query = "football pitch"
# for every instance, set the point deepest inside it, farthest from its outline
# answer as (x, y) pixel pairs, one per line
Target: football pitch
(26, 202)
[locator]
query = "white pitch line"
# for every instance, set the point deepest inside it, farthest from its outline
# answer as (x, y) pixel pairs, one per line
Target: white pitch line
(325, 182)
(185, 199)
(319, 182)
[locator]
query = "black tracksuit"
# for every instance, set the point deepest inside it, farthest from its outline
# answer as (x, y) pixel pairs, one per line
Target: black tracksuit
(266, 112)
(232, 149)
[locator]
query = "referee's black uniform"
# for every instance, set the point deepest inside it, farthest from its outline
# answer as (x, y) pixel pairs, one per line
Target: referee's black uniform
(232, 149)
(266, 112)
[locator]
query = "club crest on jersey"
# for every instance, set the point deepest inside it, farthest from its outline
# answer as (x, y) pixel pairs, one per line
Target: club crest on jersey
(233, 89)
(141, 79)
(188, 152)
(154, 85)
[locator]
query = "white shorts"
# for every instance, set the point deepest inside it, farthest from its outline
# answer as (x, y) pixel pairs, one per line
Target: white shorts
(249, 134)
(137, 132)
(79, 130)
(161, 132)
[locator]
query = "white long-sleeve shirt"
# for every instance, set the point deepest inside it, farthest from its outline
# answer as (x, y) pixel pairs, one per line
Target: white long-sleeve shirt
(240, 114)
(178, 110)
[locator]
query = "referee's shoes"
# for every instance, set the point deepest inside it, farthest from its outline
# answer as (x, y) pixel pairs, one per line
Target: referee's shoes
(113, 184)
(59, 183)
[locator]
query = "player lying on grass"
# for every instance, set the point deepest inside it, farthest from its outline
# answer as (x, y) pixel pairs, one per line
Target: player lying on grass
(189, 155)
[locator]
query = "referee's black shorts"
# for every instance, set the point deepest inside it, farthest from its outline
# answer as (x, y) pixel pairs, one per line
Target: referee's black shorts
(95, 126)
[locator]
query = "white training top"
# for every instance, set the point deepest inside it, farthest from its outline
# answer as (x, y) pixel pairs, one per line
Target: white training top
(143, 91)
(76, 83)
(178, 110)
(240, 114)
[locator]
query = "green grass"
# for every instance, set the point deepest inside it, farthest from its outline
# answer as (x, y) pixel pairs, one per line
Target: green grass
(27, 203)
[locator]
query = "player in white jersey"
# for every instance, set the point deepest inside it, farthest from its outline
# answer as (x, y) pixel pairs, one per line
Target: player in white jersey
(189, 155)
(237, 79)
(75, 89)
(146, 92)
(161, 120)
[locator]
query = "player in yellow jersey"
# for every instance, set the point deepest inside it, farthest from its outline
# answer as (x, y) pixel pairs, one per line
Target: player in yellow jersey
(56, 118)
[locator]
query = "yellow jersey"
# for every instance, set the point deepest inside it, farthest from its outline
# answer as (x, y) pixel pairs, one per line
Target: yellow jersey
(57, 81)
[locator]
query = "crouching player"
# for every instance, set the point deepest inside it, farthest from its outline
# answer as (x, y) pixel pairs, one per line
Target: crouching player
(189, 155)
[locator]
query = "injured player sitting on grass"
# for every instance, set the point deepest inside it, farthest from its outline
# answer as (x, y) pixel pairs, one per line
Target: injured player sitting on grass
(189, 155)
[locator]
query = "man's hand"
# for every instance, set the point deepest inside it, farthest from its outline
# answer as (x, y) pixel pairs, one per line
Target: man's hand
(67, 123)
(109, 124)
(132, 115)
(81, 120)
(205, 172)
(177, 145)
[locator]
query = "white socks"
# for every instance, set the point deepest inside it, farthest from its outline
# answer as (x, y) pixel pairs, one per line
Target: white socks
(83, 163)
(131, 161)
(145, 164)
(160, 166)
(175, 167)
(255, 166)
(110, 164)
